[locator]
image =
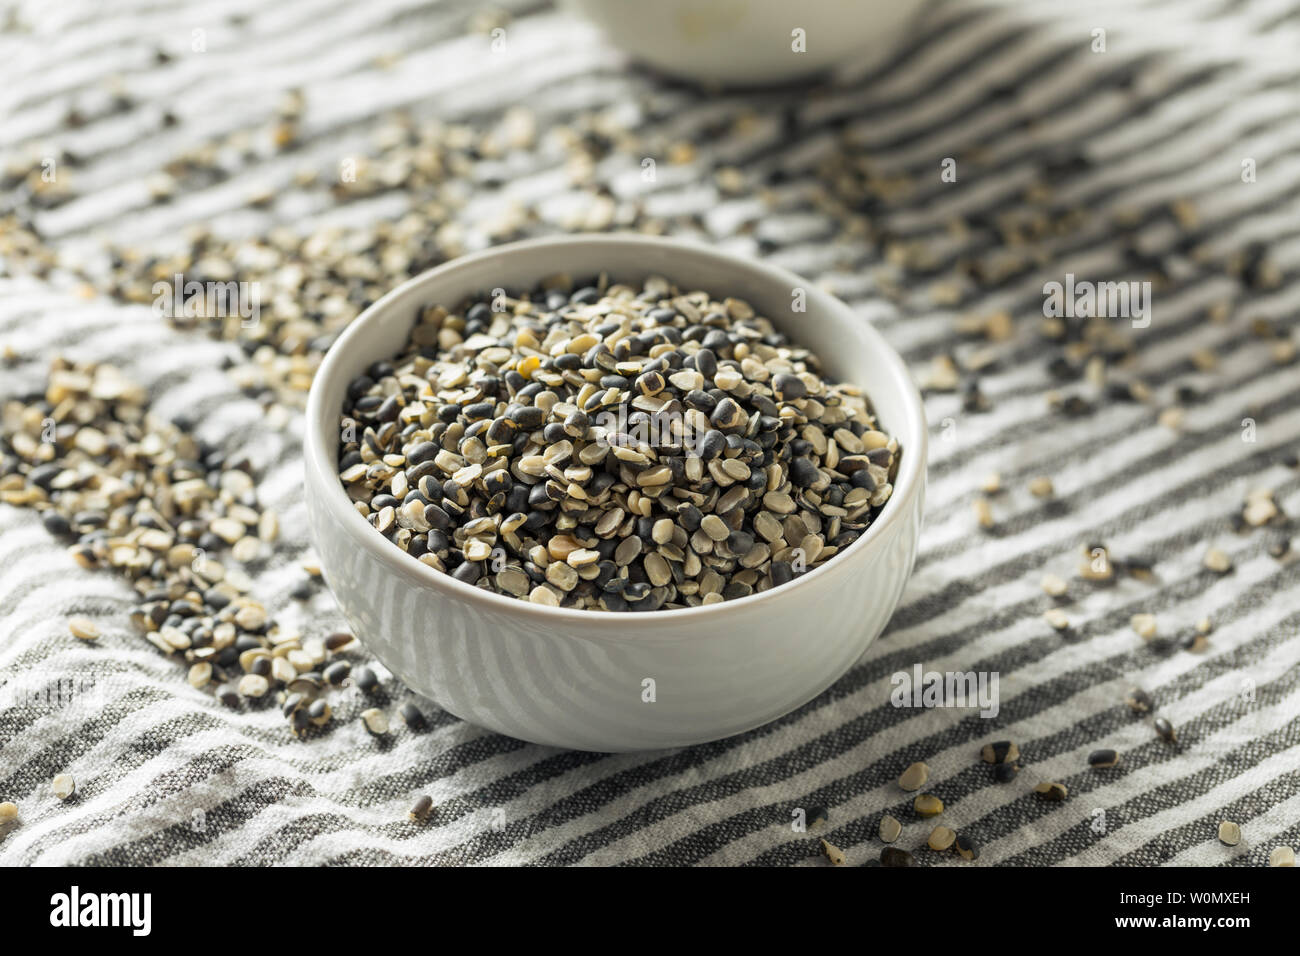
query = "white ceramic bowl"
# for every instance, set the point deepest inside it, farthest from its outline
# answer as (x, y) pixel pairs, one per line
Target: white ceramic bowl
(752, 42)
(576, 678)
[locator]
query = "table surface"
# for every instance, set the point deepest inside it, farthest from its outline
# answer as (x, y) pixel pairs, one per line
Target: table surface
(1112, 164)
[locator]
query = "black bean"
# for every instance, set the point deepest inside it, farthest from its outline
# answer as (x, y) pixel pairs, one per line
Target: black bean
(966, 847)
(424, 451)
(469, 572)
(788, 387)
(651, 383)
(338, 641)
(716, 341)
(1000, 751)
(782, 572)
(43, 475)
(1139, 701)
(736, 589)
(712, 444)
(1103, 758)
(502, 431)
(689, 516)
(1050, 790)
(56, 524)
(726, 414)
(413, 717)
(422, 809)
(359, 386)
(740, 542)
(804, 473)
(1165, 729)
(437, 517)
(337, 672)
(365, 679)
(576, 424)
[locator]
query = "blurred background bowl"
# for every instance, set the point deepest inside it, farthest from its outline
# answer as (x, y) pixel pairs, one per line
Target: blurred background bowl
(751, 42)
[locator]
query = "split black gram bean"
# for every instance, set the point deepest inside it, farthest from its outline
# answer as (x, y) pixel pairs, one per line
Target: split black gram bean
(1001, 751)
(890, 829)
(816, 817)
(366, 679)
(966, 847)
(1166, 730)
(84, 629)
(941, 839)
(1103, 758)
(1056, 792)
(927, 805)
(832, 853)
(132, 493)
(319, 712)
(63, 786)
(914, 777)
(1139, 701)
(376, 721)
(612, 448)
(893, 856)
(337, 673)
(1005, 772)
(412, 716)
(423, 807)
(1279, 545)
(339, 641)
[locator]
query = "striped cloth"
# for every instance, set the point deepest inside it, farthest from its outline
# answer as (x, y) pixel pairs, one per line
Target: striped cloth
(1184, 92)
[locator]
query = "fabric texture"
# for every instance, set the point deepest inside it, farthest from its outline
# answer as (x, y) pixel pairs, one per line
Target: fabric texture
(1183, 93)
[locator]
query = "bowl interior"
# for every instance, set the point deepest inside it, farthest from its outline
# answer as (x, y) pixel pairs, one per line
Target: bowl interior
(850, 349)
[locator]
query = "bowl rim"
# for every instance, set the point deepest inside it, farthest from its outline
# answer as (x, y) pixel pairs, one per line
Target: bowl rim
(910, 479)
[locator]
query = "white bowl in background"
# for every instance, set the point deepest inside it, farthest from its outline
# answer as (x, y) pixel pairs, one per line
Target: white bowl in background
(576, 678)
(751, 42)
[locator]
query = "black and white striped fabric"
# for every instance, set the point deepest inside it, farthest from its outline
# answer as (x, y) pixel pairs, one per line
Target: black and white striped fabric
(1183, 93)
